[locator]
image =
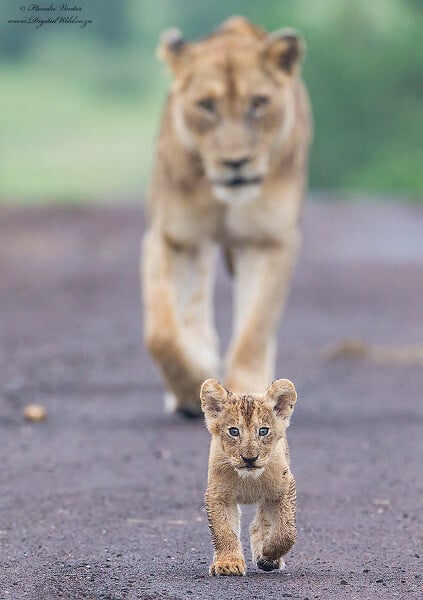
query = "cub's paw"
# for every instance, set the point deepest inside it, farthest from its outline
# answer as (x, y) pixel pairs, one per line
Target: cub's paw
(228, 565)
(270, 565)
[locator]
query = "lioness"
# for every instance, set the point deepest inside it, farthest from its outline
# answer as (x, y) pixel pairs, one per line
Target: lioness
(230, 170)
(249, 463)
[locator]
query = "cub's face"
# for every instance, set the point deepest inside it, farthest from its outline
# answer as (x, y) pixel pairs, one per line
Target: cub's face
(248, 427)
(231, 101)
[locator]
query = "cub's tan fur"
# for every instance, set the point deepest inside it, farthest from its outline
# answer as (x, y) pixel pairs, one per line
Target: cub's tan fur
(251, 467)
(230, 170)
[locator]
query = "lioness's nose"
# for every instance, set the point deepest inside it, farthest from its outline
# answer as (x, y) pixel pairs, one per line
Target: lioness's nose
(249, 460)
(235, 163)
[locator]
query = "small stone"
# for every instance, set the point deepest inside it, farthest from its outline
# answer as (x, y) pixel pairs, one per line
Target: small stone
(35, 412)
(379, 580)
(381, 501)
(344, 582)
(161, 453)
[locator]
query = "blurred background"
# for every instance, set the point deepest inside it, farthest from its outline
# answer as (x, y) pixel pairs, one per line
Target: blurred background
(79, 108)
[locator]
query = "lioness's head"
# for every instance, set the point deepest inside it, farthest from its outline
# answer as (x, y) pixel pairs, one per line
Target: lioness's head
(248, 427)
(231, 100)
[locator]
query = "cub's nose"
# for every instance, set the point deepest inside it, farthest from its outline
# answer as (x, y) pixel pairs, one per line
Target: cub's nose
(249, 460)
(235, 163)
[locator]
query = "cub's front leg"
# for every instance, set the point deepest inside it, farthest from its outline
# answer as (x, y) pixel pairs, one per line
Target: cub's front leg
(283, 533)
(223, 516)
(259, 532)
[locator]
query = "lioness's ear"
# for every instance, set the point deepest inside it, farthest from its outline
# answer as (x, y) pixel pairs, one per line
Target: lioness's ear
(212, 396)
(282, 396)
(284, 50)
(172, 48)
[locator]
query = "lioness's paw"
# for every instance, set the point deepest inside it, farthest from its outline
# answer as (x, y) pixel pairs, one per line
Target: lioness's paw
(172, 405)
(170, 402)
(270, 565)
(228, 565)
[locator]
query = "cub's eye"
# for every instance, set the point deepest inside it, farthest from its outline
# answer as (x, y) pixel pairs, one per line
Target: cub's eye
(263, 431)
(234, 431)
(259, 103)
(207, 104)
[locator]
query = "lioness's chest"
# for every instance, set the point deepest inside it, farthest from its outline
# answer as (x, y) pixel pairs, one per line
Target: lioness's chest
(262, 220)
(266, 220)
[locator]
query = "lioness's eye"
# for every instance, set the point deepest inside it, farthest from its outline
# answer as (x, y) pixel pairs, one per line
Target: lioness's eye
(259, 103)
(263, 431)
(207, 104)
(234, 431)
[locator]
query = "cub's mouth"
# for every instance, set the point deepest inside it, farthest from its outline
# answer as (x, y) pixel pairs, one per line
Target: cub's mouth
(238, 181)
(250, 471)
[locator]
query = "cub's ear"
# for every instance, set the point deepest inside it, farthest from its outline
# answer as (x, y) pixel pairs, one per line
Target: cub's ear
(212, 396)
(282, 396)
(172, 48)
(284, 50)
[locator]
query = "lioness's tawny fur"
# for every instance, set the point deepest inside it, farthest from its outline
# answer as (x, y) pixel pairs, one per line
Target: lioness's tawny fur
(230, 171)
(249, 464)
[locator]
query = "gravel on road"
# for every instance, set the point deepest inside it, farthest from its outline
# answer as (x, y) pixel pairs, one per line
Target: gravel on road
(104, 498)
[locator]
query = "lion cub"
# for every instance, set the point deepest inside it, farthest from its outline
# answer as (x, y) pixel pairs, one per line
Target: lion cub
(249, 464)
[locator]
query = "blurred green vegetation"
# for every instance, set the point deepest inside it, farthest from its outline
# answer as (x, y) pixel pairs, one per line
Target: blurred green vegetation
(79, 108)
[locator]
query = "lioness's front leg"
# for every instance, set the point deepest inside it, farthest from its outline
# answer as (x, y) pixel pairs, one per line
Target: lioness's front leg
(262, 278)
(178, 285)
(283, 532)
(223, 518)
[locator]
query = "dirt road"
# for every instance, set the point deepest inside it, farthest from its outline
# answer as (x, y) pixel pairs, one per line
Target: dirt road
(104, 500)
